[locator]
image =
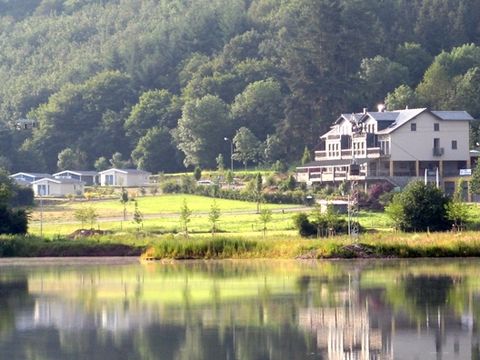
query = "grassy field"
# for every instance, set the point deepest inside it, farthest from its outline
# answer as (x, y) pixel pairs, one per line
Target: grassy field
(161, 214)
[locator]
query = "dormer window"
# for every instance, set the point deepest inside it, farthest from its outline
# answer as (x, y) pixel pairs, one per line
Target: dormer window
(436, 127)
(413, 126)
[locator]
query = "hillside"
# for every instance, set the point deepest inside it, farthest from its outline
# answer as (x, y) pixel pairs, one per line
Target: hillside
(159, 84)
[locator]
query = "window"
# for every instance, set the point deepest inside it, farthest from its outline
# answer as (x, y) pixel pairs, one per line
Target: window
(436, 127)
(454, 144)
(413, 126)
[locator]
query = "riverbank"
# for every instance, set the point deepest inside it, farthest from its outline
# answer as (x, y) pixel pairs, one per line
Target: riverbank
(373, 245)
(224, 246)
(35, 246)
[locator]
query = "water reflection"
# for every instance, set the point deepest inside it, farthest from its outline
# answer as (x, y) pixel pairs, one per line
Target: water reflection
(425, 309)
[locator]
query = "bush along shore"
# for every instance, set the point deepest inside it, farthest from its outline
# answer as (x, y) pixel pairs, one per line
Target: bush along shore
(34, 246)
(380, 245)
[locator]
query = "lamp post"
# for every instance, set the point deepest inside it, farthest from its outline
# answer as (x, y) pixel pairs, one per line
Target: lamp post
(231, 152)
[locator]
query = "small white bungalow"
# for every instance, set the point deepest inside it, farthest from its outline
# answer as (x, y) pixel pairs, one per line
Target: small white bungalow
(27, 177)
(124, 177)
(58, 187)
(88, 177)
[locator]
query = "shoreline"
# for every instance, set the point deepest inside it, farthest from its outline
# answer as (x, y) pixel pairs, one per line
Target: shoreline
(228, 246)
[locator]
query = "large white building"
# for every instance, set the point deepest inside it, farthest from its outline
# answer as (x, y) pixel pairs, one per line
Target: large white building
(395, 146)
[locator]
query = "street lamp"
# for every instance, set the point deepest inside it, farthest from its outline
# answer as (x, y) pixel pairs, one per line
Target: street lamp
(231, 152)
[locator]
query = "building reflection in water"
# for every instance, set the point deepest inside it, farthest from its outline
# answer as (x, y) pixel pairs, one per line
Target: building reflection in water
(344, 316)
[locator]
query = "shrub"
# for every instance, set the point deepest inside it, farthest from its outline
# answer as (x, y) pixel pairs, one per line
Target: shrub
(171, 187)
(419, 207)
(13, 221)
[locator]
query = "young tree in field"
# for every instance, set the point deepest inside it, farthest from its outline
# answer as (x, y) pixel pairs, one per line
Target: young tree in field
(137, 217)
(185, 217)
(318, 219)
(475, 182)
(213, 216)
(81, 215)
(220, 163)
(457, 210)
(258, 187)
(265, 218)
(394, 211)
(91, 215)
(124, 200)
(229, 177)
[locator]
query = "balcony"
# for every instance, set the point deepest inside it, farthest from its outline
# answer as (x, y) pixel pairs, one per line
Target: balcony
(438, 151)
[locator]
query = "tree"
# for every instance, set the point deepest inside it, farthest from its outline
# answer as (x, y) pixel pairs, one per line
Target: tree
(214, 216)
(475, 181)
(260, 100)
(156, 152)
(70, 159)
(306, 156)
(201, 130)
(155, 108)
(419, 207)
(197, 173)
(265, 218)
(185, 217)
(382, 75)
(318, 219)
(414, 58)
(246, 146)
(257, 190)
(101, 164)
(220, 163)
(117, 161)
(394, 210)
(124, 200)
(137, 217)
(229, 177)
(401, 97)
(457, 210)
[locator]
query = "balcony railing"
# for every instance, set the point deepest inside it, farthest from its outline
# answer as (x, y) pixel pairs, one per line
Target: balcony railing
(437, 151)
(371, 153)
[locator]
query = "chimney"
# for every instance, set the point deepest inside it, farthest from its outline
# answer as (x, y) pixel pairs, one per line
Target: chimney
(381, 107)
(365, 110)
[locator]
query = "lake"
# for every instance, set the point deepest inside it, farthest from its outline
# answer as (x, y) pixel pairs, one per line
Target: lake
(260, 309)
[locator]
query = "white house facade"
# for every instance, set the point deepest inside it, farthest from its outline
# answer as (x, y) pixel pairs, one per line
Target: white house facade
(58, 187)
(88, 177)
(124, 177)
(395, 146)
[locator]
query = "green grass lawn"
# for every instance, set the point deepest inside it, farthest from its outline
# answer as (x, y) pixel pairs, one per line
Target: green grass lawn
(60, 220)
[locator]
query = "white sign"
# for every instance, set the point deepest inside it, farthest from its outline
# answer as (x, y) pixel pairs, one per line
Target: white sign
(465, 172)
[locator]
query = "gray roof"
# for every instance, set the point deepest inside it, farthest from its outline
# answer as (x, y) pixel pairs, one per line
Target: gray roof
(36, 175)
(128, 171)
(61, 181)
(384, 115)
(403, 116)
(453, 115)
(79, 172)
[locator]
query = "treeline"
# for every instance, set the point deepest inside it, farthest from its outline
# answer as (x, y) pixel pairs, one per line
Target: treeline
(160, 84)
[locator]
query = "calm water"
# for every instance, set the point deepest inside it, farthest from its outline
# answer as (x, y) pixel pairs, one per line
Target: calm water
(121, 309)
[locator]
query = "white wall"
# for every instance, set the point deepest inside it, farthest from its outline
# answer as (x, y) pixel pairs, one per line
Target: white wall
(55, 189)
(407, 145)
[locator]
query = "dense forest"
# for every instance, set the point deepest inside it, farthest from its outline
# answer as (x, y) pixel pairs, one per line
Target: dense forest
(164, 84)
